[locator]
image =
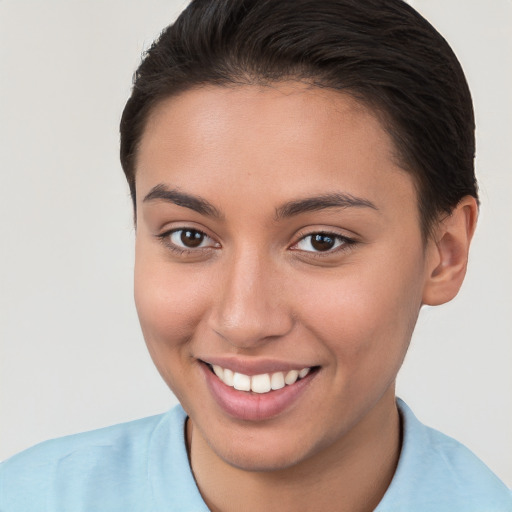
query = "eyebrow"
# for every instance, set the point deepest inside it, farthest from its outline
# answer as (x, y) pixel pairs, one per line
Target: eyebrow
(175, 196)
(289, 209)
(322, 202)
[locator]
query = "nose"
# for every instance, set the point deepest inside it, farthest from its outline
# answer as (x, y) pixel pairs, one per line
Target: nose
(251, 308)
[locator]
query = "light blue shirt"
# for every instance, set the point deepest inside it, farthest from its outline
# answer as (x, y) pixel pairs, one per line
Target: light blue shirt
(143, 466)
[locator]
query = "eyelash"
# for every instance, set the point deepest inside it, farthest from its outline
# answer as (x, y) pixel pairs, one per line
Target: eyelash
(165, 239)
(344, 243)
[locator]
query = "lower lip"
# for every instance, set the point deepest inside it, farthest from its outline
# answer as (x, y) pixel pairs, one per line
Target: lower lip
(250, 406)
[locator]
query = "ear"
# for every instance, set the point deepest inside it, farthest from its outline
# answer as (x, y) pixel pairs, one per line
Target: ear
(447, 253)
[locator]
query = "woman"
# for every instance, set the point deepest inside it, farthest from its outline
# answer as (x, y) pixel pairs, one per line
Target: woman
(302, 180)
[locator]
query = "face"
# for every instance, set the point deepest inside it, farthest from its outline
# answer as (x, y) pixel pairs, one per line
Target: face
(279, 267)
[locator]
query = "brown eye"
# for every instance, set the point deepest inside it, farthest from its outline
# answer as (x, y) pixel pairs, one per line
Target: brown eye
(188, 238)
(191, 237)
(322, 242)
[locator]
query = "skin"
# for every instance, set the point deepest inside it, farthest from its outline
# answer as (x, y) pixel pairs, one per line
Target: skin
(256, 288)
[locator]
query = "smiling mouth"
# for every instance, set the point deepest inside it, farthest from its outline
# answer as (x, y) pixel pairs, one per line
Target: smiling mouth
(262, 383)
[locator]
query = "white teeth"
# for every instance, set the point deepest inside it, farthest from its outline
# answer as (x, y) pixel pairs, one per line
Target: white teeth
(262, 383)
(277, 380)
(228, 377)
(242, 382)
(218, 371)
(291, 377)
(304, 372)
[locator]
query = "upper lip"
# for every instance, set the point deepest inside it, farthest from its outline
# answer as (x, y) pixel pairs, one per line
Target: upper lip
(249, 366)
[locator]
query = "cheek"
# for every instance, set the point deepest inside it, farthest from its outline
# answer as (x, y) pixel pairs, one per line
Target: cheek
(170, 304)
(366, 315)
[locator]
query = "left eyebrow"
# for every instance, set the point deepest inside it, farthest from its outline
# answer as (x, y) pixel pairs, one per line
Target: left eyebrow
(179, 198)
(322, 202)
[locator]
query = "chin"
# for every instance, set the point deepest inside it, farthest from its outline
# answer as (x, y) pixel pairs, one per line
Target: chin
(254, 459)
(270, 452)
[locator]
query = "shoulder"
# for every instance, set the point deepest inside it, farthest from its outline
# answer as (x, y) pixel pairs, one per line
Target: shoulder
(105, 464)
(436, 472)
(123, 439)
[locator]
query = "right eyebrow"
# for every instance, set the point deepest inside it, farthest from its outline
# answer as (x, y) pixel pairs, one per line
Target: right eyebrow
(322, 202)
(196, 203)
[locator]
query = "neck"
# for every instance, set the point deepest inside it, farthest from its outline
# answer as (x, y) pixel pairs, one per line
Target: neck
(351, 475)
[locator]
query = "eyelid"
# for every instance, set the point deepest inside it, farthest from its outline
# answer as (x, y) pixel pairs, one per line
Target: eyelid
(164, 238)
(347, 242)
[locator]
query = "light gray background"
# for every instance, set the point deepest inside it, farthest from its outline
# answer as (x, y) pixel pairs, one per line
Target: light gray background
(72, 356)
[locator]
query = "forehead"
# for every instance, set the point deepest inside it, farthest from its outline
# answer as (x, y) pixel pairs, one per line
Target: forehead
(294, 114)
(282, 138)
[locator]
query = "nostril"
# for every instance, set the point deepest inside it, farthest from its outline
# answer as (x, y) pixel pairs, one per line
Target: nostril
(249, 332)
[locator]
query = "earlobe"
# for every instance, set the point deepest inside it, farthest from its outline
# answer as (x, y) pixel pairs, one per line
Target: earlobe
(447, 255)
